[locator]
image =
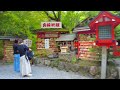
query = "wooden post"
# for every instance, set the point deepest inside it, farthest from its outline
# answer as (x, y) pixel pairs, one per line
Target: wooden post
(104, 62)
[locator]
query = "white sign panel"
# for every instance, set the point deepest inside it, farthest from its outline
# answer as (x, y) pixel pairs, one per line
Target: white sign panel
(46, 43)
(28, 42)
(51, 25)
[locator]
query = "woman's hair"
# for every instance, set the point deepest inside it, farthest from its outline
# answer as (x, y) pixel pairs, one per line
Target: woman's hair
(16, 41)
(20, 41)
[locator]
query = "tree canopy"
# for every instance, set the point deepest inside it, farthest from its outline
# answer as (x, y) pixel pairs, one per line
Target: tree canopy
(21, 23)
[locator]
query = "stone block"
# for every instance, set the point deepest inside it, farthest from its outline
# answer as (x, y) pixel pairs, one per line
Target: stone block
(47, 62)
(36, 60)
(93, 70)
(74, 67)
(61, 66)
(54, 63)
(67, 66)
(42, 62)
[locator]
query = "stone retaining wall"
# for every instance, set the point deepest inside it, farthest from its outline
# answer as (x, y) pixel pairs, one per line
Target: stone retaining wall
(92, 71)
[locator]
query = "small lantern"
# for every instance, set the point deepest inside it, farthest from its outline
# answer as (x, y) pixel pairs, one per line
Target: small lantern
(104, 25)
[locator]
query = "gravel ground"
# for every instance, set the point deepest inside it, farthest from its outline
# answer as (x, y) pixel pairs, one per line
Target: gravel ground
(39, 72)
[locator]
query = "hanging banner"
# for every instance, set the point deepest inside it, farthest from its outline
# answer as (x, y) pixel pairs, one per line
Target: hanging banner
(48, 34)
(46, 43)
(51, 25)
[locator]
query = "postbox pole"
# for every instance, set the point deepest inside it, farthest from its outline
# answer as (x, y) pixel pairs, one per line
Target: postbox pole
(104, 62)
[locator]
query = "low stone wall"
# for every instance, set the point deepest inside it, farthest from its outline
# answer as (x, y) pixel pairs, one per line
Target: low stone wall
(87, 70)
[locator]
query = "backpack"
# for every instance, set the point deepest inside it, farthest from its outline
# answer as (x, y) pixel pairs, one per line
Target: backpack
(30, 54)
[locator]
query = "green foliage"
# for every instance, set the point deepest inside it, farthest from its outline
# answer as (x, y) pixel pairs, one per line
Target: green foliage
(42, 53)
(117, 32)
(21, 24)
(92, 49)
(33, 38)
(18, 23)
(92, 39)
(97, 50)
(70, 19)
(74, 60)
(88, 63)
(116, 13)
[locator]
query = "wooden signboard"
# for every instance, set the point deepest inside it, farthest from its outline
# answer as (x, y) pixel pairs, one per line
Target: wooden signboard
(27, 42)
(48, 35)
(46, 43)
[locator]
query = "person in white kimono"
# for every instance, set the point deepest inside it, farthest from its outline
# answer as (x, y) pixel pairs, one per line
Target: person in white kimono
(25, 67)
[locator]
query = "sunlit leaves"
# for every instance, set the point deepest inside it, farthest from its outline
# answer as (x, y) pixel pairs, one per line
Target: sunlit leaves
(117, 31)
(19, 22)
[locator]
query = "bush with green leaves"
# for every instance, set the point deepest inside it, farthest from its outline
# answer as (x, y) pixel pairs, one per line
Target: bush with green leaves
(74, 60)
(97, 50)
(42, 53)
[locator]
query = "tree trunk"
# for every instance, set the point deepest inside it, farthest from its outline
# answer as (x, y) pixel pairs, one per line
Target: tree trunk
(55, 17)
(59, 15)
(49, 16)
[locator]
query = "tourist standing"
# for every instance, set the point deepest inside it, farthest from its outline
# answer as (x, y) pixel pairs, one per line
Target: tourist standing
(16, 56)
(25, 67)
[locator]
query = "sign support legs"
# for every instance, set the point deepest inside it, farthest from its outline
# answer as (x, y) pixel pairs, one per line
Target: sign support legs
(104, 62)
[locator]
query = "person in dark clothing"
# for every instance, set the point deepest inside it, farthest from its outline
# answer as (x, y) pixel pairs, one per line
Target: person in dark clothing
(15, 47)
(16, 56)
(25, 67)
(22, 49)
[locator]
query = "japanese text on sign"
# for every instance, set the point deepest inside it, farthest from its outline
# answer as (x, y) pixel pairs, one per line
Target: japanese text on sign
(51, 25)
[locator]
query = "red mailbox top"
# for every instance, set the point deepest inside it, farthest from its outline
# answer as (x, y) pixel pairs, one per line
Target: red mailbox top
(104, 25)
